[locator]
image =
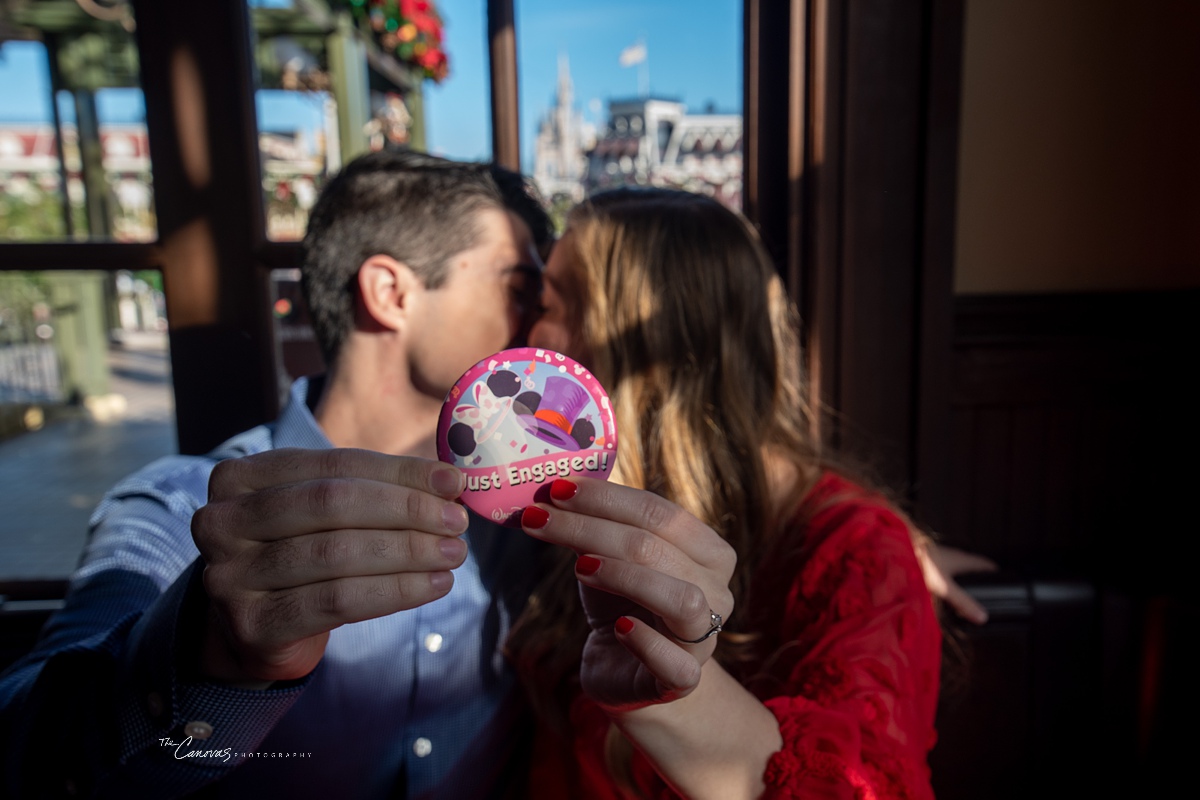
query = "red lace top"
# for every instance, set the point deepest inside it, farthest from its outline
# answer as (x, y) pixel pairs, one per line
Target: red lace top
(848, 663)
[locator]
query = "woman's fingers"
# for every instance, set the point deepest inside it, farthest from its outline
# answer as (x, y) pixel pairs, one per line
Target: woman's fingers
(646, 511)
(588, 534)
(685, 609)
(676, 671)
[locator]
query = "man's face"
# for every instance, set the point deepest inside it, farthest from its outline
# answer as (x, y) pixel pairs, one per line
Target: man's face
(487, 303)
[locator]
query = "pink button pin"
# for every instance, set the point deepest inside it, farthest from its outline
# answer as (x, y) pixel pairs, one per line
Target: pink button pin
(519, 419)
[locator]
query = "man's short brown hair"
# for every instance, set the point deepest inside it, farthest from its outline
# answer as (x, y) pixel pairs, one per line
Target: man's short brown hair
(419, 209)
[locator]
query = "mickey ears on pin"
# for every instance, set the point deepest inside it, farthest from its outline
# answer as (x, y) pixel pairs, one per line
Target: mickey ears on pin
(519, 419)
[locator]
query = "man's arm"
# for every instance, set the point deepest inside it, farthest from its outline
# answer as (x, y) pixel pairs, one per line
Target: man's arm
(87, 707)
(148, 652)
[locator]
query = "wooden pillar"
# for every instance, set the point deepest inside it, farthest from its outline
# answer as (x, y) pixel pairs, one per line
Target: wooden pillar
(852, 182)
(196, 74)
(506, 111)
(348, 73)
(773, 138)
(881, 167)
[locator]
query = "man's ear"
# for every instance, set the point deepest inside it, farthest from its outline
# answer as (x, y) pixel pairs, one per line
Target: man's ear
(385, 292)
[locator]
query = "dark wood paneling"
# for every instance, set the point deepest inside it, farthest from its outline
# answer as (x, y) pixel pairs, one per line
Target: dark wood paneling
(770, 124)
(883, 151)
(1031, 703)
(822, 241)
(878, 231)
(1072, 426)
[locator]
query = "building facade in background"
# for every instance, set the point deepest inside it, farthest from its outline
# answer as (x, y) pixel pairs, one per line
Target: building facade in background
(645, 142)
(31, 203)
(32, 207)
(559, 160)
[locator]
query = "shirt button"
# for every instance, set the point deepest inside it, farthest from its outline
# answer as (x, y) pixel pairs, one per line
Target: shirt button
(422, 747)
(433, 642)
(154, 704)
(198, 730)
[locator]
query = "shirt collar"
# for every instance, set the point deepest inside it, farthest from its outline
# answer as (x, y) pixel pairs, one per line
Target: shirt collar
(296, 426)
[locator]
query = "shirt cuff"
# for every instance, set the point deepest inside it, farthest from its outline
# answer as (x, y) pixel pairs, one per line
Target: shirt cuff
(171, 717)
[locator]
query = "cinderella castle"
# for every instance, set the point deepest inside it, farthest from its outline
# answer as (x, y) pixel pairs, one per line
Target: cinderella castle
(646, 141)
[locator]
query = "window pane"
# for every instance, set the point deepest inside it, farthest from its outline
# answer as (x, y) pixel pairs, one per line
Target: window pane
(295, 131)
(70, 103)
(645, 93)
(297, 353)
(298, 134)
(335, 80)
(85, 399)
(458, 117)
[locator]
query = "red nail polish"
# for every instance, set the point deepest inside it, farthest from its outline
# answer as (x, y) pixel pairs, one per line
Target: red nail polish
(587, 565)
(534, 517)
(563, 490)
(624, 625)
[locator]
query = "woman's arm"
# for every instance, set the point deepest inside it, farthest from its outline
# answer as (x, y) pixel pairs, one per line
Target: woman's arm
(853, 701)
(716, 742)
(651, 575)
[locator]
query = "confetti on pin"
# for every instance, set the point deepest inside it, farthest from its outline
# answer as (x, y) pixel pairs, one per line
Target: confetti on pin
(510, 449)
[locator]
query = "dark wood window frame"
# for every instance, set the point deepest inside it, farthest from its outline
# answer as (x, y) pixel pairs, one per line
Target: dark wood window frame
(850, 129)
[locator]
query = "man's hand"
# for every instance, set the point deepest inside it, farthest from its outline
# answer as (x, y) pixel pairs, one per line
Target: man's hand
(940, 564)
(299, 542)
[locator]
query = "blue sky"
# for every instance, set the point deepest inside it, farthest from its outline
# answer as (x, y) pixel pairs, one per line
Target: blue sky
(694, 49)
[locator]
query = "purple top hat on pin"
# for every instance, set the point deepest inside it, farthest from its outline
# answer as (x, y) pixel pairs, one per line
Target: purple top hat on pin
(519, 419)
(552, 422)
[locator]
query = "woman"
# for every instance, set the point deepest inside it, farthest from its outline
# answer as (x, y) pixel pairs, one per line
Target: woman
(767, 631)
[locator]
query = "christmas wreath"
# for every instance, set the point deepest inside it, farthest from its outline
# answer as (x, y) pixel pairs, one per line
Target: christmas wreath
(409, 30)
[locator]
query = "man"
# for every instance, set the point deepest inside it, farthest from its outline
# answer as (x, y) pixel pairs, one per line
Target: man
(279, 613)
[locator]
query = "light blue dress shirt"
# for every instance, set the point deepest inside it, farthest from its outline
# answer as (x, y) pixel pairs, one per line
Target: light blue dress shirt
(418, 703)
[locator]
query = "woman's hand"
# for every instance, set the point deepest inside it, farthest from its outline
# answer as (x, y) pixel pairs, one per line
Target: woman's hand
(650, 575)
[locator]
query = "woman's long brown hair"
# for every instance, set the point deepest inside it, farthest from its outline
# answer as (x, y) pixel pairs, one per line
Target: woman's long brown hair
(686, 322)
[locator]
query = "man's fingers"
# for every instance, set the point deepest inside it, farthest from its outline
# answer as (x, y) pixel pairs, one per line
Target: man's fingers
(964, 605)
(327, 504)
(325, 556)
(285, 466)
(953, 561)
(278, 619)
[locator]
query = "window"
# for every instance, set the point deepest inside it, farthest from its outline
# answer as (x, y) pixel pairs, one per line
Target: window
(299, 137)
(457, 118)
(85, 399)
(339, 78)
(74, 156)
(85, 379)
(610, 94)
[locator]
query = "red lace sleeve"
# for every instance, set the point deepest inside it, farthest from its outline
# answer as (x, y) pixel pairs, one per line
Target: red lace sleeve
(857, 674)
